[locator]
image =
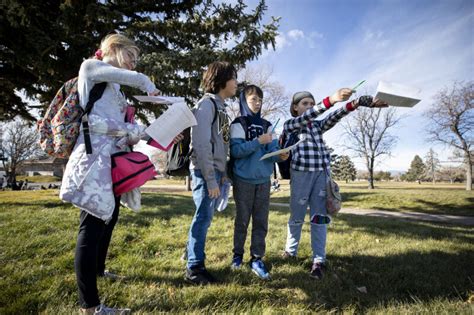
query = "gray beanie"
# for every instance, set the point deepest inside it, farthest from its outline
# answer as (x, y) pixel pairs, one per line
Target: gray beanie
(297, 97)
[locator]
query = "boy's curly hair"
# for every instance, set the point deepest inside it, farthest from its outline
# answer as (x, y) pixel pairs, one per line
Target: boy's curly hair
(216, 76)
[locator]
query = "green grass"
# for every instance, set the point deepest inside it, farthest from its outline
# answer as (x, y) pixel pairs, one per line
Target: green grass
(406, 267)
(39, 178)
(401, 197)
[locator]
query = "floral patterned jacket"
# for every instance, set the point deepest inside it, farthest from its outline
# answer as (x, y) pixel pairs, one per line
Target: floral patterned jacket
(87, 181)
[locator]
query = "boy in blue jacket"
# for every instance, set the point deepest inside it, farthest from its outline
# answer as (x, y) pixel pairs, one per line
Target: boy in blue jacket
(250, 139)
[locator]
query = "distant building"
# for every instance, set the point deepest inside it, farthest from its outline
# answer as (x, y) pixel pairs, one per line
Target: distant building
(44, 166)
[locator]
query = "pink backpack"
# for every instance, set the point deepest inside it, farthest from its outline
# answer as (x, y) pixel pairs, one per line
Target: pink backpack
(130, 170)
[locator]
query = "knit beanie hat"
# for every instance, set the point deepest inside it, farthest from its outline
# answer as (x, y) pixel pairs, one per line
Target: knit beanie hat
(297, 97)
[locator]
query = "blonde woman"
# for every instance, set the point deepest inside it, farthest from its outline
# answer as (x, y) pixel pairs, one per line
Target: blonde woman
(87, 182)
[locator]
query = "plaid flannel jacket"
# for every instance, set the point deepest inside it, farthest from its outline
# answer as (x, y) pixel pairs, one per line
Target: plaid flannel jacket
(311, 154)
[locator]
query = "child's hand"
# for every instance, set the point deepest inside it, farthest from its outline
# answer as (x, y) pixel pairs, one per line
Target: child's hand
(156, 92)
(178, 138)
(265, 138)
(284, 156)
(214, 193)
(341, 95)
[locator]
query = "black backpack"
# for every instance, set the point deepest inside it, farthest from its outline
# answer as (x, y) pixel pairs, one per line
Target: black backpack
(285, 142)
(179, 155)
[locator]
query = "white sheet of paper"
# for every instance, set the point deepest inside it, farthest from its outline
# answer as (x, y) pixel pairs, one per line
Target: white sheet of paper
(171, 123)
(167, 100)
(398, 95)
(287, 149)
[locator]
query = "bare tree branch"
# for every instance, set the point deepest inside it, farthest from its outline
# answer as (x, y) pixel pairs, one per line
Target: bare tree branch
(451, 121)
(368, 135)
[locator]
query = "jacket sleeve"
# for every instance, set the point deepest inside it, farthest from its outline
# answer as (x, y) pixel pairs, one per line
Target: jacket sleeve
(201, 142)
(239, 147)
(298, 122)
(99, 71)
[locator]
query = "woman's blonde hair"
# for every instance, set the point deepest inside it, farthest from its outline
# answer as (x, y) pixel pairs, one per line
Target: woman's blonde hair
(119, 46)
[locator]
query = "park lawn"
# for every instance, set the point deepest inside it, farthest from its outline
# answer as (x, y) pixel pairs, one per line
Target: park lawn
(401, 197)
(39, 178)
(405, 267)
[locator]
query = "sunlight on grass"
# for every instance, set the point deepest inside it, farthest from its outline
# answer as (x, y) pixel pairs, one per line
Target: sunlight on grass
(405, 267)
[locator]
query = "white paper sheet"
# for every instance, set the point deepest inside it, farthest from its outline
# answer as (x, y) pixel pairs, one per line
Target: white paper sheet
(171, 123)
(166, 100)
(398, 95)
(285, 150)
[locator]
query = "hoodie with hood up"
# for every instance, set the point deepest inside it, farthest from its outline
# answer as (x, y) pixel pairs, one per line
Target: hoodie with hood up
(245, 148)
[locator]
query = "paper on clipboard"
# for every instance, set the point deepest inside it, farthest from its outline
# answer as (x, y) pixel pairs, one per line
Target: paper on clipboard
(171, 123)
(166, 100)
(397, 95)
(278, 152)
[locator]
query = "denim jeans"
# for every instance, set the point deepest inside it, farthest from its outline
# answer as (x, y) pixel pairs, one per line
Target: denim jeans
(307, 188)
(201, 220)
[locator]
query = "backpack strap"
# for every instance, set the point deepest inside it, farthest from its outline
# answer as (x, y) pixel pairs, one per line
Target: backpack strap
(215, 110)
(94, 95)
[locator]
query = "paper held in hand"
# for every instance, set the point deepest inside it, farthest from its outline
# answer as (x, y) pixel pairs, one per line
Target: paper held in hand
(397, 95)
(165, 100)
(285, 150)
(171, 123)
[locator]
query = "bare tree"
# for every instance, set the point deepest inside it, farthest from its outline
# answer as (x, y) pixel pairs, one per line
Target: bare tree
(276, 102)
(432, 164)
(369, 136)
(451, 121)
(20, 142)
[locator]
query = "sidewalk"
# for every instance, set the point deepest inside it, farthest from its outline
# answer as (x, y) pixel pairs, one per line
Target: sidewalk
(443, 218)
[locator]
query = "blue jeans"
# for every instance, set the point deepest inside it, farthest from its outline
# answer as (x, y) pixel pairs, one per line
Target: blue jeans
(307, 188)
(202, 219)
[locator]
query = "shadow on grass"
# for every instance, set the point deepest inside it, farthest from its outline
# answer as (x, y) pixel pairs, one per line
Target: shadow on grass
(165, 206)
(406, 277)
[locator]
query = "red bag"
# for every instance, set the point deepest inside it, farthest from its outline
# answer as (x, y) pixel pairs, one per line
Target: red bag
(130, 170)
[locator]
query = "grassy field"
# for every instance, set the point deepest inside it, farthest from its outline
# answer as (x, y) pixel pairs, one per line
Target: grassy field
(39, 178)
(377, 266)
(403, 197)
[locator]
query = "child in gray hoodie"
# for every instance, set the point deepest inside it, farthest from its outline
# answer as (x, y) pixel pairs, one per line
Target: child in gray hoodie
(210, 142)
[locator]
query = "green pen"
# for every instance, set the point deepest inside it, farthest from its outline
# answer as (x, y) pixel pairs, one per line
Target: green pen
(361, 82)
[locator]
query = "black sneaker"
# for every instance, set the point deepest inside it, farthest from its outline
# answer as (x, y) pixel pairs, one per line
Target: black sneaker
(199, 276)
(316, 271)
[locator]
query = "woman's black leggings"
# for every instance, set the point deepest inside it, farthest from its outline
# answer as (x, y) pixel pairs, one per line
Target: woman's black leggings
(93, 242)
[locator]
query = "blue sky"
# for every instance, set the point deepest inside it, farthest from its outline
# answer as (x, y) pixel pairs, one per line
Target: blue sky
(324, 45)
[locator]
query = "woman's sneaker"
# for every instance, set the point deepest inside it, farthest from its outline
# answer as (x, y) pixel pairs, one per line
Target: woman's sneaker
(236, 262)
(258, 268)
(317, 271)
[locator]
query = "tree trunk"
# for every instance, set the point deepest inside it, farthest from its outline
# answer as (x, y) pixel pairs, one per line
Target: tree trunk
(469, 174)
(371, 173)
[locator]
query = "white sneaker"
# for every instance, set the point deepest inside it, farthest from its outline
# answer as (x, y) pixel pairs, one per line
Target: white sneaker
(104, 310)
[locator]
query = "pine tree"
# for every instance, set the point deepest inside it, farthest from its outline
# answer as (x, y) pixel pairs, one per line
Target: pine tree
(44, 42)
(343, 168)
(416, 171)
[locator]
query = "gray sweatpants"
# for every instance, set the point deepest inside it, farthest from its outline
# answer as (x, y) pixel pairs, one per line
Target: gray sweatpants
(251, 200)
